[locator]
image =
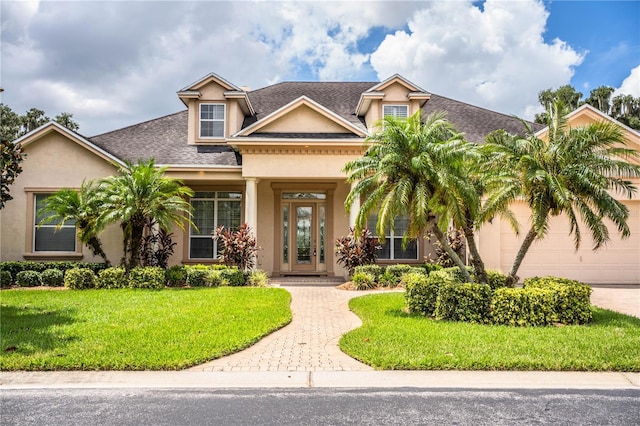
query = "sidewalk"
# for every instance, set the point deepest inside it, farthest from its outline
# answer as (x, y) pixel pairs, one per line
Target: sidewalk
(305, 354)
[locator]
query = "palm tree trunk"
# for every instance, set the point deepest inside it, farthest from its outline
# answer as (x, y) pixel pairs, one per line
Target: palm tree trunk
(452, 254)
(95, 245)
(528, 240)
(476, 260)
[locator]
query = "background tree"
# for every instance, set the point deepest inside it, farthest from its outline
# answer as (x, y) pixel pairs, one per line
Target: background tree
(10, 124)
(138, 196)
(11, 156)
(569, 174)
(66, 119)
(566, 94)
(33, 119)
(600, 98)
(13, 125)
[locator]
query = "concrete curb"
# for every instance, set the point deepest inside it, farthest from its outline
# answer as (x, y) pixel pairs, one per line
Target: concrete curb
(321, 379)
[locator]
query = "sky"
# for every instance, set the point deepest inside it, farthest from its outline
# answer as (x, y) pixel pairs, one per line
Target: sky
(117, 63)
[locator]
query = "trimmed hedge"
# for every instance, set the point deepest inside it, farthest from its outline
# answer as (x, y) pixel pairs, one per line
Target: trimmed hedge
(373, 269)
(18, 266)
(52, 277)
(232, 276)
(6, 279)
(176, 276)
(114, 277)
(28, 279)
(523, 307)
(363, 281)
(79, 278)
(393, 273)
(147, 277)
(463, 302)
(572, 303)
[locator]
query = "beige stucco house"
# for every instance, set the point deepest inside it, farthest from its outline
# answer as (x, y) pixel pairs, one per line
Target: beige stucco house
(273, 158)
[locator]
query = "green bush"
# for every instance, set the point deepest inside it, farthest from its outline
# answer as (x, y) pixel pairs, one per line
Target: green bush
(421, 292)
(28, 279)
(496, 279)
(431, 267)
(363, 281)
(146, 277)
(114, 277)
(572, 303)
(463, 302)
(79, 278)
(257, 278)
(18, 266)
(52, 277)
(176, 276)
(232, 276)
(455, 272)
(214, 278)
(373, 269)
(6, 280)
(523, 307)
(392, 274)
(197, 275)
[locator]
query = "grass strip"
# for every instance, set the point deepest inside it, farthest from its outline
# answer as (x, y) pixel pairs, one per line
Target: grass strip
(134, 329)
(391, 339)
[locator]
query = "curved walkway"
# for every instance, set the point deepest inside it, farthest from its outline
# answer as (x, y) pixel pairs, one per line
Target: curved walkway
(309, 343)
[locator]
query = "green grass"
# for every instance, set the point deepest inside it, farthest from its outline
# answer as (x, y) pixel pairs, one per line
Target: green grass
(133, 329)
(391, 339)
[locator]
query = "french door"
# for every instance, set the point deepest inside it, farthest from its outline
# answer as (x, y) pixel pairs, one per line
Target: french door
(304, 236)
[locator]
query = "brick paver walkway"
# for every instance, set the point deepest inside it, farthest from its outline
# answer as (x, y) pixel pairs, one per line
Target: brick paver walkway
(309, 343)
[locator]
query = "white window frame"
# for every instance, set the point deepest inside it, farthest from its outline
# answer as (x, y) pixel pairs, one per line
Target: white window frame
(223, 120)
(36, 226)
(216, 199)
(394, 114)
(390, 237)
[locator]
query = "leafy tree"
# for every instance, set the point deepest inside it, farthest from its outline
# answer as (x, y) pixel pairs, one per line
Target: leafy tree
(139, 195)
(13, 126)
(83, 207)
(33, 119)
(626, 109)
(66, 119)
(10, 124)
(11, 156)
(600, 98)
(566, 94)
(570, 174)
(413, 169)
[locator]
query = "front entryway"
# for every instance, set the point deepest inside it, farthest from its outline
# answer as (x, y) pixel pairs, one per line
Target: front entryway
(304, 235)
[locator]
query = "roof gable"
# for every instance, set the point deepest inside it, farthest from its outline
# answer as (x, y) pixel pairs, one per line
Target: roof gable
(37, 134)
(302, 115)
(396, 86)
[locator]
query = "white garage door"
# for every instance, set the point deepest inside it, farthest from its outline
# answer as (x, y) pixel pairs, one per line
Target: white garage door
(616, 263)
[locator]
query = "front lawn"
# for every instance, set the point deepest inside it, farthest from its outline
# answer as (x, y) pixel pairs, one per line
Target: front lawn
(392, 339)
(134, 329)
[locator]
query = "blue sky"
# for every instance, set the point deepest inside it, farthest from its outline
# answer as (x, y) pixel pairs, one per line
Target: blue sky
(116, 63)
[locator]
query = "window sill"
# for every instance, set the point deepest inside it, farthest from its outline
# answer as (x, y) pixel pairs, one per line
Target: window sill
(200, 261)
(52, 255)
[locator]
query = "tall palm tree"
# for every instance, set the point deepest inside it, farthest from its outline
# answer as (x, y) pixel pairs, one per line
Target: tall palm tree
(139, 195)
(80, 206)
(570, 173)
(413, 169)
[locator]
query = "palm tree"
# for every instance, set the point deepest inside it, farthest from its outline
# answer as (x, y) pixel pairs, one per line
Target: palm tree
(139, 195)
(415, 169)
(570, 173)
(80, 206)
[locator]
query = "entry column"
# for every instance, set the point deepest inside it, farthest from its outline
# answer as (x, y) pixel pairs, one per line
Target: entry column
(355, 208)
(251, 204)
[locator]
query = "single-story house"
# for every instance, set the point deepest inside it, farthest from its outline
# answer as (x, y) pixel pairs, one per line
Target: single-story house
(273, 158)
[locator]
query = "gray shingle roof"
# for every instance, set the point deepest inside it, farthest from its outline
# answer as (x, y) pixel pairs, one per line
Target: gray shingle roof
(165, 138)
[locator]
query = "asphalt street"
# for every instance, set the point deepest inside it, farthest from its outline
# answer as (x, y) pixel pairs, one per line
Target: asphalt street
(406, 406)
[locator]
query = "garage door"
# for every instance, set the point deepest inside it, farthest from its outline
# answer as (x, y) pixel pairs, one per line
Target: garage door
(616, 263)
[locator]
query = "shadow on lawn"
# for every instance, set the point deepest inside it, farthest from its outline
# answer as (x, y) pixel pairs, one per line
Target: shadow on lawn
(29, 329)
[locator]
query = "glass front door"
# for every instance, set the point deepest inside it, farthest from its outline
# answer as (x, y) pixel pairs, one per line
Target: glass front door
(305, 238)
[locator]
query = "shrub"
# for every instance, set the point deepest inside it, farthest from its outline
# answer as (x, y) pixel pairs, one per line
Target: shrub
(257, 279)
(352, 251)
(373, 269)
(114, 277)
(14, 266)
(463, 302)
(572, 304)
(52, 277)
(421, 291)
(28, 279)
(392, 274)
(146, 277)
(6, 280)
(431, 267)
(496, 279)
(197, 275)
(455, 272)
(232, 276)
(523, 307)
(79, 278)
(237, 248)
(176, 276)
(363, 281)
(214, 278)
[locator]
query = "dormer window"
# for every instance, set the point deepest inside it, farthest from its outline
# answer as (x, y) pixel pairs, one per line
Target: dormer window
(395, 111)
(212, 121)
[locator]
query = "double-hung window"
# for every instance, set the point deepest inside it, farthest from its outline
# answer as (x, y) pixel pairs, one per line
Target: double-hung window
(210, 210)
(49, 236)
(212, 118)
(392, 248)
(395, 111)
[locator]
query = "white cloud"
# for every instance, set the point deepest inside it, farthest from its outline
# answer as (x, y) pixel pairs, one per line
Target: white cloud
(496, 58)
(630, 85)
